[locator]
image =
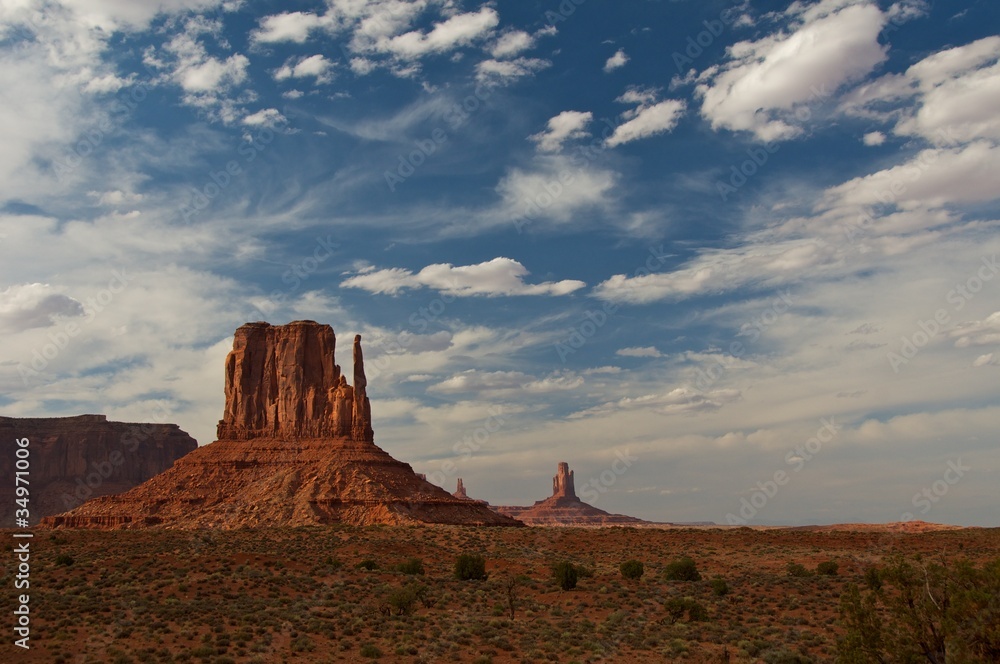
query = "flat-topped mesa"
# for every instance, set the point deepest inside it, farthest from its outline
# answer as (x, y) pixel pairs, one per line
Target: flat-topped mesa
(562, 483)
(282, 382)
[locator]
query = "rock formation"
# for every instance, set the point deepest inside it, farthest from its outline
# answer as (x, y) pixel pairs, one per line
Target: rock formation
(460, 490)
(73, 459)
(564, 508)
(295, 448)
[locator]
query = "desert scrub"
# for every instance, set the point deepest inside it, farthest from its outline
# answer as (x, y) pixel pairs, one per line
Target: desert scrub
(470, 567)
(631, 569)
(683, 569)
(565, 574)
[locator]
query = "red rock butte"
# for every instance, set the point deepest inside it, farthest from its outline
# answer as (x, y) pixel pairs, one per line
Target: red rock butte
(564, 508)
(296, 447)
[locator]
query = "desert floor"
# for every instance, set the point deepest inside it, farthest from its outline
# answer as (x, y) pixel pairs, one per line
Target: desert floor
(298, 595)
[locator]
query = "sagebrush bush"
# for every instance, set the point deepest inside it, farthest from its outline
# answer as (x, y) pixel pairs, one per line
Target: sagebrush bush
(470, 567)
(632, 569)
(682, 570)
(565, 575)
(411, 566)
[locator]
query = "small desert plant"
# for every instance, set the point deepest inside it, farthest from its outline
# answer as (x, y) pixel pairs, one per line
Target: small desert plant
(403, 599)
(565, 575)
(368, 564)
(719, 586)
(469, 567)
(64, 559)
(678, 606)
(682, 570)
(631, 569)
(797, 570)
(827, 568)
(370, 651)
(873, 579)
(411, 566)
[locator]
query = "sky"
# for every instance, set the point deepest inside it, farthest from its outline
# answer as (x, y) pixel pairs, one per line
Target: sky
(732, 261)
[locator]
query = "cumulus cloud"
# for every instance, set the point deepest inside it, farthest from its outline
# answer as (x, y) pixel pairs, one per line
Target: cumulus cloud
(268, 117)
(289, 27)
(554, 189)
(648, 121)
(316, 66)
(500, 276)
(499, 383)
(458, 30)
(933, 178)
(978, 332)
(511, 43)
(752, 265)
(987, 360)
(503, 72)
(568, 125)
(873, 138)
(639, 351)
(616, 61)
(763, 82)
(28, 306)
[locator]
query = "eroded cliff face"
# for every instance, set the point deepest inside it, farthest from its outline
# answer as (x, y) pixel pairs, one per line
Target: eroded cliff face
(74, 459)
(282, 381)
(295, 447)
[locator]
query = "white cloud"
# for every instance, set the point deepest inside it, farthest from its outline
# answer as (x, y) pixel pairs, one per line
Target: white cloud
(616, 61)
(502, 72)
(566, 126)
(458, 30)
(764, 82)
(639, 96)
(987, 360)
(511, 43)
(639, 351)
(934, 177)
(754, 265)
(555, 189)
(506, 383)
(288, 27)
(977, 333)
(363, 66)
(648, 121)
(681, 400)
(268, 117)
(27, 306)
(500, 276)
(873, 138)
(316, 66)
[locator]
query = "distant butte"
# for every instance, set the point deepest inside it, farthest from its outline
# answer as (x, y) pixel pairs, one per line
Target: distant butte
(564, 508)
(296, 447)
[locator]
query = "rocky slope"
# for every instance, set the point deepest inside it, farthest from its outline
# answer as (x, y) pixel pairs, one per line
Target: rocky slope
(564, 508)
(295, 448)
(73, 459)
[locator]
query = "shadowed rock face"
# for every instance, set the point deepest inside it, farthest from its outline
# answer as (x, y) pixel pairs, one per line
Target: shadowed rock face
(295, 448)
(563, 508)
(73, 459)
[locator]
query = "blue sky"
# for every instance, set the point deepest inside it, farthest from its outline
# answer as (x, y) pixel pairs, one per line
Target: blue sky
(749, 248)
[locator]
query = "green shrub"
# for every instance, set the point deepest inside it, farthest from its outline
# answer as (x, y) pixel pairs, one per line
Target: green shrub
(827, 568)
(470, 567)
(565, 574)
(719, 586)
(411, 566)
(682, 570)
(632, 569)
(370, 651)
(64, 559)
(873, 579)
(368, 564)
(403, 599)
(798, 570)
(677, 607)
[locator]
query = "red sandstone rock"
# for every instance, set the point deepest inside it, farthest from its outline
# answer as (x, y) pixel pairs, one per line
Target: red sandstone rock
(295, 448)
(563, 508)
(73, 459)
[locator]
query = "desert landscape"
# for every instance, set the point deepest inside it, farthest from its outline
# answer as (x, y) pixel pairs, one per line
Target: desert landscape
(493, 332)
